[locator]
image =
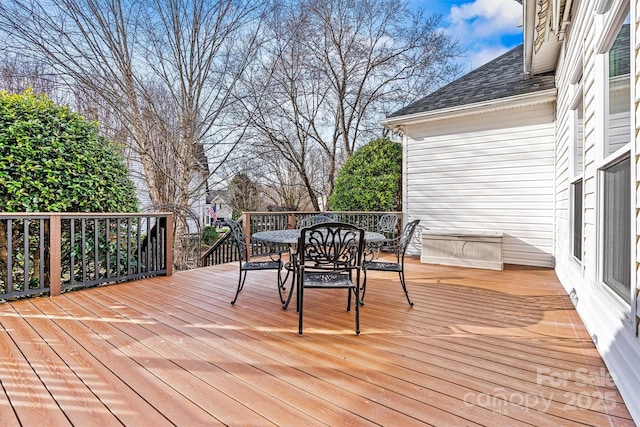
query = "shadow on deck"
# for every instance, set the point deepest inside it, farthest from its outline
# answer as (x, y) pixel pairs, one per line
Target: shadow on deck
(479, 347)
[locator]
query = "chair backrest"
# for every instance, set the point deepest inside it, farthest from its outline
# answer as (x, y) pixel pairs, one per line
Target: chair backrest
(315, 219)
(388, 223)
(239, 236)
(407, 234)
(331, 245)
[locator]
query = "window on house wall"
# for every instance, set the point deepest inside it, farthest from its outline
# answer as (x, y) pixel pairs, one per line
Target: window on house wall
(576, 199)
(616, 207)
(576, 168)
(619, 129)
(615, 170)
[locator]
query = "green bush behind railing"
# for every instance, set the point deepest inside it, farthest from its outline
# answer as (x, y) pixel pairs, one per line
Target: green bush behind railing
(54, 252)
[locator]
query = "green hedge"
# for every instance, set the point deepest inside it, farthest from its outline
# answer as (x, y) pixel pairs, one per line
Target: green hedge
(371, 179)
(53, 160)
(210, 235)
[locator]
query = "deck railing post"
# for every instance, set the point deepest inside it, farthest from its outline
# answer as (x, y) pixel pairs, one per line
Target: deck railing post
(168, 238)
(55, 250)
(246, 228)
(292, 220)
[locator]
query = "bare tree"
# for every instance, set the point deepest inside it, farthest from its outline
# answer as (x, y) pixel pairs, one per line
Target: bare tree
(333, 68)
(245, 194)
(282, 101)
(285, 188)
(164, 69)
(18, 74)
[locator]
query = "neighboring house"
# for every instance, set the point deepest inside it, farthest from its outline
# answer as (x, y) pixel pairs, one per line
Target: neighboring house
(220, 201)
(192, 214)
(541, 145)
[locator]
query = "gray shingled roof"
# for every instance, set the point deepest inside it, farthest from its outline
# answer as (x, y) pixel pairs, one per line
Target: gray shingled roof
(503, 77)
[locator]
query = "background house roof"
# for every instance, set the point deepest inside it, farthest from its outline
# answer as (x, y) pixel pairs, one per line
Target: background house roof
(223, 195)
(501, 78)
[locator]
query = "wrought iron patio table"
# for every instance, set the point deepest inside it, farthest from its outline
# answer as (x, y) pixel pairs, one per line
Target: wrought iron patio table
(291, 236)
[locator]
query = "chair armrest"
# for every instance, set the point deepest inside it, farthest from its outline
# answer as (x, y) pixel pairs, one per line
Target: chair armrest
(259, 248)
(387, 243)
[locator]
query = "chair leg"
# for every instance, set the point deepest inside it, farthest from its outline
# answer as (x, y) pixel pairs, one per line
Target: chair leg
(285, 305)
(281, 285)
(284, 297)
(404, 288)
(298, 296)
(241, 279)
(364, 285)
(356, 291)
(299, 306)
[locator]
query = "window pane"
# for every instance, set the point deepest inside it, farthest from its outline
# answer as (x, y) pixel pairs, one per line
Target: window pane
(576, 194)
(619, 132)
(617, 228)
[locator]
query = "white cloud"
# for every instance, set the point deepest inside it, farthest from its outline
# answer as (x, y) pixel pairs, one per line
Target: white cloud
(485, 28)
(485, 18)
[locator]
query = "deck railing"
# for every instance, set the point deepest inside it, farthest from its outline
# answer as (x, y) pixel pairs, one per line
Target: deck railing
(54, 252)
(223, 250)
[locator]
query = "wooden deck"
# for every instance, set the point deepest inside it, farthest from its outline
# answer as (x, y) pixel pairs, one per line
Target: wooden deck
(478, 348)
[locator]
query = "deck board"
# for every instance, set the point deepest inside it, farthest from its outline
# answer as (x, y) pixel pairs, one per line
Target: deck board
(337, 397)
(27, 397)
(116, 370)
(480, 347)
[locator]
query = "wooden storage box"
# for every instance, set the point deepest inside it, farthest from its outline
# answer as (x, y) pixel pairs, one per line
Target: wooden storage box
(466, 248)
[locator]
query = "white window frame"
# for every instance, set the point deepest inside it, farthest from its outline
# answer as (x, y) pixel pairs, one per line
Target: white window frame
(600, 180)
(610, 24)
(576, 175)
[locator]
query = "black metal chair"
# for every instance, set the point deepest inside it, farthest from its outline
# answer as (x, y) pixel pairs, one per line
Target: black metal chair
(330, 256)
(399, 247)
(274, 261)
(388, 226)
(315, 219)
(289, 266)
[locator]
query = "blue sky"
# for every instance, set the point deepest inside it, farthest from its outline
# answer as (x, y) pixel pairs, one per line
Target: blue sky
(485, 28)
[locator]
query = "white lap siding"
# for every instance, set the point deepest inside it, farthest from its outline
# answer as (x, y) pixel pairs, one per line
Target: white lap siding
(609, 321)
(495, 173)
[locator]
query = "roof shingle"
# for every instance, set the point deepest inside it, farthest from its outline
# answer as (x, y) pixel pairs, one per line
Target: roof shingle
(501, 78)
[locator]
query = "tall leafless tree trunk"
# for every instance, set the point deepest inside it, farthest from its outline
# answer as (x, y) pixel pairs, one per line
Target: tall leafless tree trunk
(334, 68)
(165, 69)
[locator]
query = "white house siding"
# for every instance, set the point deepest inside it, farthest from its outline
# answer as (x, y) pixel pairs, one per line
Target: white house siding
(223, 210)
(495, 173)
(635, 156)
(137, 176)
(610, 323)
(197, 203)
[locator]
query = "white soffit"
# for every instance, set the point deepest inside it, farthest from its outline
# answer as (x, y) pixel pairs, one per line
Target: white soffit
(546, 28)
(535, 98)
